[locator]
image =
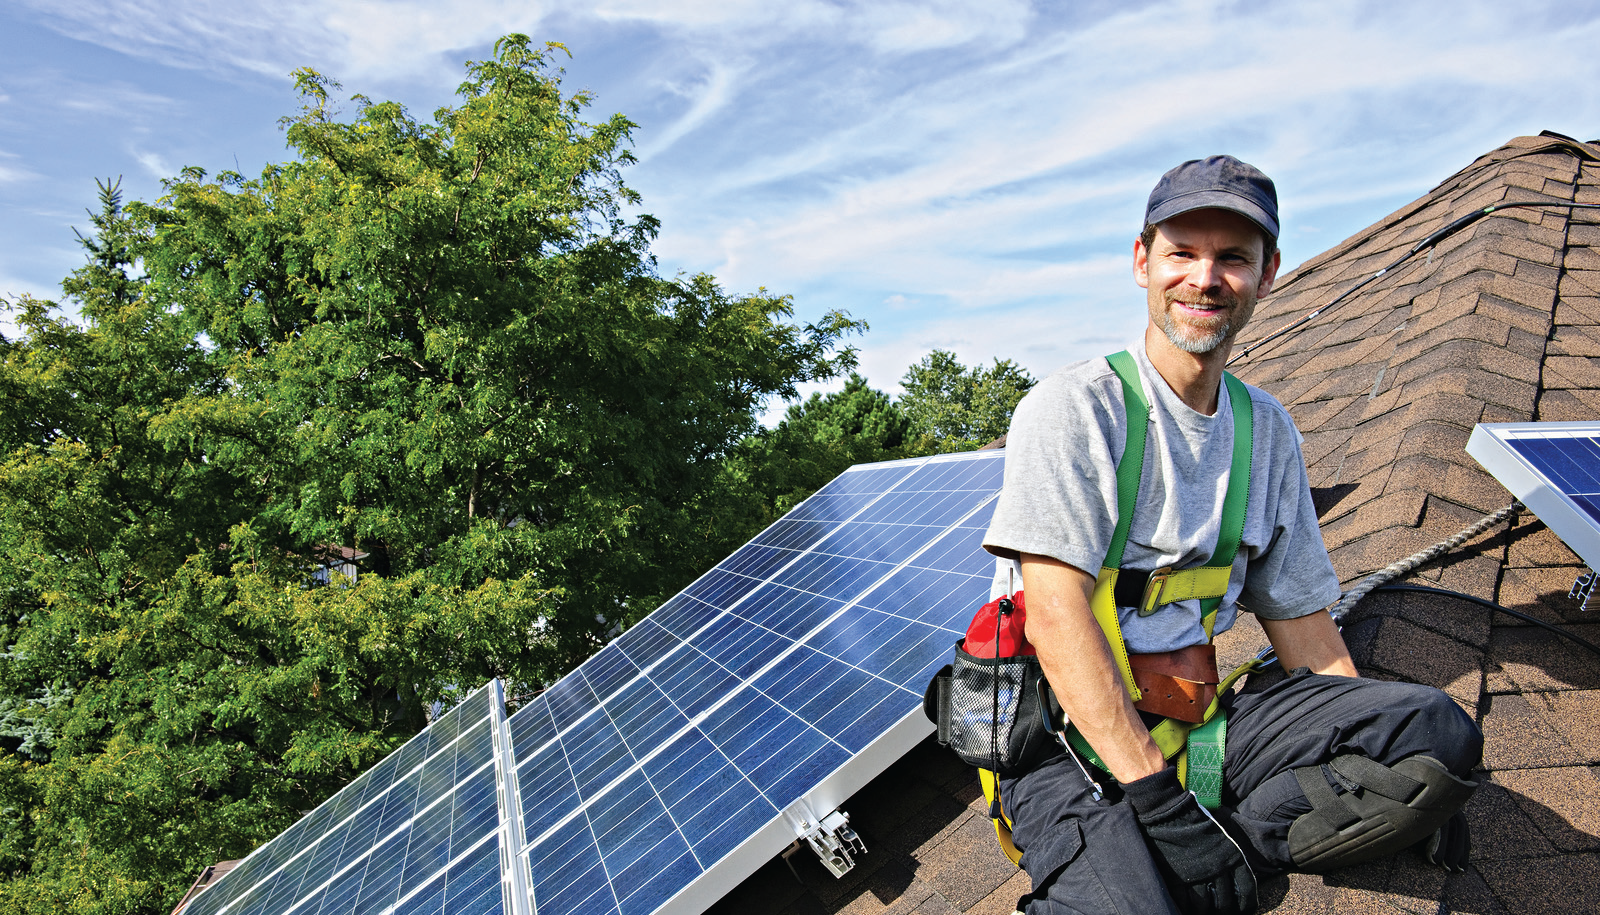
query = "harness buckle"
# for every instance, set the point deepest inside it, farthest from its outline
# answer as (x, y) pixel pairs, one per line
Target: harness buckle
(1151, 602)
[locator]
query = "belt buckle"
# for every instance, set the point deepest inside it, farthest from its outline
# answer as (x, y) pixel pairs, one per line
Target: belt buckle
(1151, 602)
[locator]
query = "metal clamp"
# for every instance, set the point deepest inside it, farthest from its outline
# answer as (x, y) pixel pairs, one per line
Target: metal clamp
(1584, 588)
(830, 837)
(1151, 602)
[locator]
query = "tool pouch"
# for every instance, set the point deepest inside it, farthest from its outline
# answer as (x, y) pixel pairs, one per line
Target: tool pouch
(987, 708)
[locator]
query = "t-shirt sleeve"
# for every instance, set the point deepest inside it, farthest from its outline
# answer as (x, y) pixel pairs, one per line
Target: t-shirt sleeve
(1293, 577)
(1060, 492)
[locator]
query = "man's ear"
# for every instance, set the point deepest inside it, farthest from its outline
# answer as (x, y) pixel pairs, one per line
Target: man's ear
(1141, 263)
(1269, 273)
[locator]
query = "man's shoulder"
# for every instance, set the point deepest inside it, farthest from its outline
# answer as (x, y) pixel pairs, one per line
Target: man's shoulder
(1075, 379)
(1074, 398)
(1267, 407)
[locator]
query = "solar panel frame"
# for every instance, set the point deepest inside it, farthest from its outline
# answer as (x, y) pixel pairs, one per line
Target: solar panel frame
(332, 858)
(817, 636)
(1511, 452)
(803, 596)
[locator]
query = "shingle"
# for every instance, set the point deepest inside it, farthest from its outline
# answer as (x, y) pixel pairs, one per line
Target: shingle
(967, 865)
(1542, 887)
(1500, 827)
(1575, 341)
(1490, 388)
(1541, 592)
(1564, 803)
(1576, 714)
(1577, 310)
(1517, 736)
(1537, 660)
(1568, 406)
(1423, 656)
(1571, 372)
(1532, 315)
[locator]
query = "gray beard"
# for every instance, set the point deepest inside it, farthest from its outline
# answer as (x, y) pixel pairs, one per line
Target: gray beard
(1198, 345)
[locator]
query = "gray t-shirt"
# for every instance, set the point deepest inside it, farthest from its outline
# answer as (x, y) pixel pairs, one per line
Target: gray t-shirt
(1060, 499)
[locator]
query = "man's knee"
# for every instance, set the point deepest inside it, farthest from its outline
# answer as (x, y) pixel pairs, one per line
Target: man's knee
(1448, 733)
(1362, 809)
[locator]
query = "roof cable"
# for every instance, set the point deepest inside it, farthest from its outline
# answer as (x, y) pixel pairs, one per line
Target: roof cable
(1396, 569)
(1426, 244)
(1382, 580)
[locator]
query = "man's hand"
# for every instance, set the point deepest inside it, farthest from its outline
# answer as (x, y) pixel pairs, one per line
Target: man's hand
(1450, 845)
(1206, 871)
(1078, 662)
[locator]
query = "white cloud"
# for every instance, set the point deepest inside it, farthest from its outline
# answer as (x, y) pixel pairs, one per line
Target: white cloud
(11, 172)
(154, 163)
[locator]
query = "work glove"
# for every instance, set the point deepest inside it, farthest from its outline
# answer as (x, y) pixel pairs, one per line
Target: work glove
(1450, 845)
(1206, 872)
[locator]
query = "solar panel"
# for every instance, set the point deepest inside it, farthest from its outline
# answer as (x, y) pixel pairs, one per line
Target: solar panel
(1554, 469)
(417, 833)
(687, 752)
(691, 749)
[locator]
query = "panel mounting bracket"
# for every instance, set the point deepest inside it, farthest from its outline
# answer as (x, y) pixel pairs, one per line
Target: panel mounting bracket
(831, 837)
(1585, 587)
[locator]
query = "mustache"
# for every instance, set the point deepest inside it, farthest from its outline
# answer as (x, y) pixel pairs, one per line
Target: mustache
(1202, 300)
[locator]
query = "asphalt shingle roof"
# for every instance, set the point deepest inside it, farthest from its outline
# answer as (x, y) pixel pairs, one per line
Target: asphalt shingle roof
(1498, 323)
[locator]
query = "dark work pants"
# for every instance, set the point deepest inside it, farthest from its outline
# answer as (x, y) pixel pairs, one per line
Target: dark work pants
(1089, 856)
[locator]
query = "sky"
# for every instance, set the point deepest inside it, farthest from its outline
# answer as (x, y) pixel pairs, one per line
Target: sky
(962, 175)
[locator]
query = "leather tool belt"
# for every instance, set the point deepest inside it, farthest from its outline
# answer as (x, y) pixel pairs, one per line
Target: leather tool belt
(1177, 684)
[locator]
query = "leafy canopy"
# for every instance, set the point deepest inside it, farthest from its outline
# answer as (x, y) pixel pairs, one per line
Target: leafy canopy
(440, 345)
(955, 408)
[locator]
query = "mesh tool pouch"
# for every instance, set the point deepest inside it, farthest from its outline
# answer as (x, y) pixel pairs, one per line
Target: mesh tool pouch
(987, 708)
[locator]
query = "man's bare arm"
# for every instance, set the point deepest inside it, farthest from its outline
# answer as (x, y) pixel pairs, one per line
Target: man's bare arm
(1306, 641)
(1079, 665)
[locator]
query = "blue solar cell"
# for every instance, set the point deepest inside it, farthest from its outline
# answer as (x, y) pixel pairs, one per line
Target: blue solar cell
(656, 881)
(1566, 462)
(472, 884)
(532, 728)
(738, 803)
(612, 666)
(1590, 506)
(644, 645)
(569, 700)
(567, 871)
(738, 646)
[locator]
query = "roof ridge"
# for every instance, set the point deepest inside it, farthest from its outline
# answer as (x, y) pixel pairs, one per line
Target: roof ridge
(1544, 142)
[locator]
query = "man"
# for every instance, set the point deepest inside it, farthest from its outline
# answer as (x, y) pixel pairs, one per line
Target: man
(1322, 769)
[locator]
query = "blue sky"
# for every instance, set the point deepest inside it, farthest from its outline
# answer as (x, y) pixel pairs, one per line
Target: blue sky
(964, 175)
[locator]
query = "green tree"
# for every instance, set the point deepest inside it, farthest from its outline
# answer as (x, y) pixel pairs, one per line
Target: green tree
(954, 408)
(441, 344)
(816, 441)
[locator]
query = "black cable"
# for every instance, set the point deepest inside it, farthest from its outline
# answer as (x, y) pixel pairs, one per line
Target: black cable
(1433, 239)
(1425, 589)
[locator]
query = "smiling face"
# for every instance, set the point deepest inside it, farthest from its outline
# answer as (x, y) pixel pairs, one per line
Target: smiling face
(1203, 272)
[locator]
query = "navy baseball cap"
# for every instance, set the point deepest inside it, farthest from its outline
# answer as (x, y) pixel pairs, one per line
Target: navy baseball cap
(1219, 182)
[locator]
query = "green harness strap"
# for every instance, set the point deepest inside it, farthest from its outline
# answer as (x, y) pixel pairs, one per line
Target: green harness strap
(1199, 749)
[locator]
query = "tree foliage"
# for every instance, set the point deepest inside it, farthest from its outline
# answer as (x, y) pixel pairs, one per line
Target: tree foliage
(954, 408)
(441, 344)
(816, 441)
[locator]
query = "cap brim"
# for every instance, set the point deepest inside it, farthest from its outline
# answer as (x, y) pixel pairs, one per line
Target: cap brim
(1214, 200)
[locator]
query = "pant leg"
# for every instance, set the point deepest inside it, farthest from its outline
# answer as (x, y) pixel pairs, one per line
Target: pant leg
(1308, 720)
(1082, 856)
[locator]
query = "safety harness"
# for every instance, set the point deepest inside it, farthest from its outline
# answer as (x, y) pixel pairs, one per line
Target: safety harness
(1197, 746)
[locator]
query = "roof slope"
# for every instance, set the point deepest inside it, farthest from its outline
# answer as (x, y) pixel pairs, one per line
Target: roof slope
(1499, 323)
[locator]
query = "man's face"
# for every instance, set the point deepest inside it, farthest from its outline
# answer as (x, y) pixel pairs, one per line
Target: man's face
(1203, 272)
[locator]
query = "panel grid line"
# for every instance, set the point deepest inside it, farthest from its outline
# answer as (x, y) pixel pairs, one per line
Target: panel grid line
(798, 554)
(799, 643)
(304, 897)
(314, 845)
